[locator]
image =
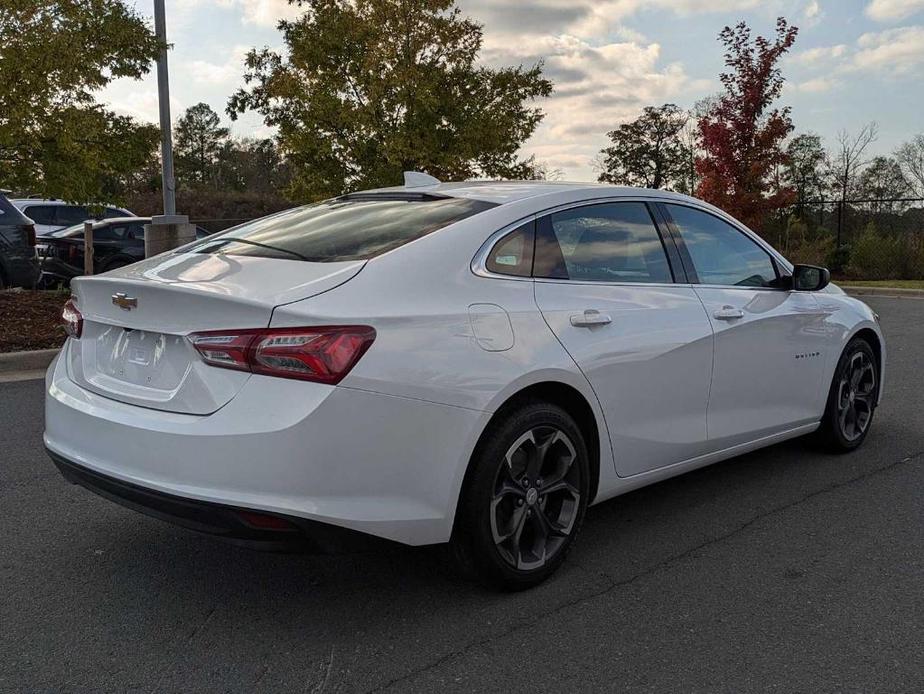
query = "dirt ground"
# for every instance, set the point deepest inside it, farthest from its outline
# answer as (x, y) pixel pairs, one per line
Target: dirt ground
(31, 319)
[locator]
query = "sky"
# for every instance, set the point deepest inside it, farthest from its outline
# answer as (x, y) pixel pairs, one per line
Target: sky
(854, 61)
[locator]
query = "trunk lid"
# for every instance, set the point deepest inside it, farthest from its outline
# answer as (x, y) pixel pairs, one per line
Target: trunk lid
(134, 348)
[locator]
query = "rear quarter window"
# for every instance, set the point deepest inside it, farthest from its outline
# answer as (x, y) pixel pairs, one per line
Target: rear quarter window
(69, 215)
(41, 214)
(350, 228)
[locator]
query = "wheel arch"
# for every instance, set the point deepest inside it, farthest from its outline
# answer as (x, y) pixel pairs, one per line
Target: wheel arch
(878, 345)
(572, 401)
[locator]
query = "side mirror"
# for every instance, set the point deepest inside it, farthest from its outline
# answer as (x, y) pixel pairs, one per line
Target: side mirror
(810, 278)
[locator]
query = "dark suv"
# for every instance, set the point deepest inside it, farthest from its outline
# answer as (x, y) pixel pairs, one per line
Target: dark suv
(19, 266)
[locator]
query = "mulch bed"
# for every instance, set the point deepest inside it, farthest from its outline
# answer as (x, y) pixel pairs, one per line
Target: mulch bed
(31, 319)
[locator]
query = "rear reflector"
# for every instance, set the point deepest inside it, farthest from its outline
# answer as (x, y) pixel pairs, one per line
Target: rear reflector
(264, 521)
(324, 354)
(72, 319)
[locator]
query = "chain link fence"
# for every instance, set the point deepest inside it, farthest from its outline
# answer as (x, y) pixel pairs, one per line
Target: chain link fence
(861, 239)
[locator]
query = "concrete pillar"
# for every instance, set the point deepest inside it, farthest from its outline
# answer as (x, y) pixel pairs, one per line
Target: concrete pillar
(166, 232)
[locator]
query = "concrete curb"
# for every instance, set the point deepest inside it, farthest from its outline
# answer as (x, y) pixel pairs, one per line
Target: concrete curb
(883, 291)
(35, 360)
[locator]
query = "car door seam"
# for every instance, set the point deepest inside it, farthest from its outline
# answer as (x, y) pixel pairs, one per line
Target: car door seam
(712, 373)
(586, 380)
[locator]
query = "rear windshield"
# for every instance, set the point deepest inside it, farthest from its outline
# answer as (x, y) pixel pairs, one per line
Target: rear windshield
(10, 214)
(351, 228)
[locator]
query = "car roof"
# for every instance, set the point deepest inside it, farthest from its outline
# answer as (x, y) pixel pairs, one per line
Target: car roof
(502, 192)
(55, 201)
(122, 220)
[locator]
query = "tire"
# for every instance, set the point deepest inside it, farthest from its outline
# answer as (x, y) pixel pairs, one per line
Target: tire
(524, 498)
(851, 399)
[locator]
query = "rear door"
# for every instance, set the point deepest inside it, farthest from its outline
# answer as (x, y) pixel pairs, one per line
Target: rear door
(605, 287)
(770, 342)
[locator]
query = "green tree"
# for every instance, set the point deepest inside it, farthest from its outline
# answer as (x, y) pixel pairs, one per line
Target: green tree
(253, 165)
(369, 88)
(911, 157)
(650, 151)
(198, 138)
(54, 55)
(805, 168)
(881, 182)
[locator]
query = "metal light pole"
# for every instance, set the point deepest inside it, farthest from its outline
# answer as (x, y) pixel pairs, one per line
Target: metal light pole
(168, 230)
(163, 99)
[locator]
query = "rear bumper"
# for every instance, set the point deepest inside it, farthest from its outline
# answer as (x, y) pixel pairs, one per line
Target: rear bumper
(380, 465)
(228, 522)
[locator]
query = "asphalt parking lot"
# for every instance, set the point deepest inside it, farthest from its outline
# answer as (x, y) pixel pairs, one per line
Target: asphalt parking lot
(783, 570)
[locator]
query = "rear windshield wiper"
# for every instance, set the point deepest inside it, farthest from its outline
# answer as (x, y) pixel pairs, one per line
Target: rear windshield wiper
(262, 245)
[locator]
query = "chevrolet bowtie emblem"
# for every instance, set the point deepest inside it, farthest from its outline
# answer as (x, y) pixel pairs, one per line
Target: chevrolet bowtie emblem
(126, 303)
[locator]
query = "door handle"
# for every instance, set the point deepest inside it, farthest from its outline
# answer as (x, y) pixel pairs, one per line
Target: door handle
(589, 319)
(728, 313)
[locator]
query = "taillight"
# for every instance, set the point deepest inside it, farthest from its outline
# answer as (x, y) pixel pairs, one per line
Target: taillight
(324, 354)
(30, 234)
(72, 319)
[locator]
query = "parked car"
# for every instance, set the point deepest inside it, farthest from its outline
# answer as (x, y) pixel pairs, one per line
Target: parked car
(51, 215)
(19, 265)
(471, 363)
(117, 242)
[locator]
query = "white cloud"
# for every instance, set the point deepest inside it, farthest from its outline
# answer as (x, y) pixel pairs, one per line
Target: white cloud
(138, 99)
(265, 13)
(217, 74)
(814, 56)
(817, 85)
(812, 10)
(894, 51)
(597, 86)
(587, 18)
(891, 10)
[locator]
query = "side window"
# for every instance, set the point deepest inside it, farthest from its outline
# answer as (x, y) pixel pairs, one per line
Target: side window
(112, 213)
(69, 215)
(721, 254)
(136, 231)
(611, 242)
(110, 232)
(41, 214)
(513, 254)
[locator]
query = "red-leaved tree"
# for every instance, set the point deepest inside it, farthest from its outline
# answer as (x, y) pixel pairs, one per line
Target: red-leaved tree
(741, 137)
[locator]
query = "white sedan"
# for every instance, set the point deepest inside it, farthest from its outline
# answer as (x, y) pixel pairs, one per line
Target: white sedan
(471, 363)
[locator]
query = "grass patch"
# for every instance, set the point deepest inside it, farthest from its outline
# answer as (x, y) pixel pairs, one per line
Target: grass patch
(900, 284)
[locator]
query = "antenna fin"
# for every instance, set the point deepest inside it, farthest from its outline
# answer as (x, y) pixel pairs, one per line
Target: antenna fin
(416, 179)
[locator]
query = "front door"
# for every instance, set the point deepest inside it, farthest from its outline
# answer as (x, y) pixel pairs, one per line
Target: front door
(605, 288)
(770, 342)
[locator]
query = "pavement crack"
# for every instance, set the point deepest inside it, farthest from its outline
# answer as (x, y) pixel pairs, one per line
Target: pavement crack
(614, 584)
(321, 686)
(201, 625)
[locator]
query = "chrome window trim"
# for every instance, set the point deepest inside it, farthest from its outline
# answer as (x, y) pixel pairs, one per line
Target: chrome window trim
(735, 224)
(605, 283)
(479, 265)
(479, 261)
